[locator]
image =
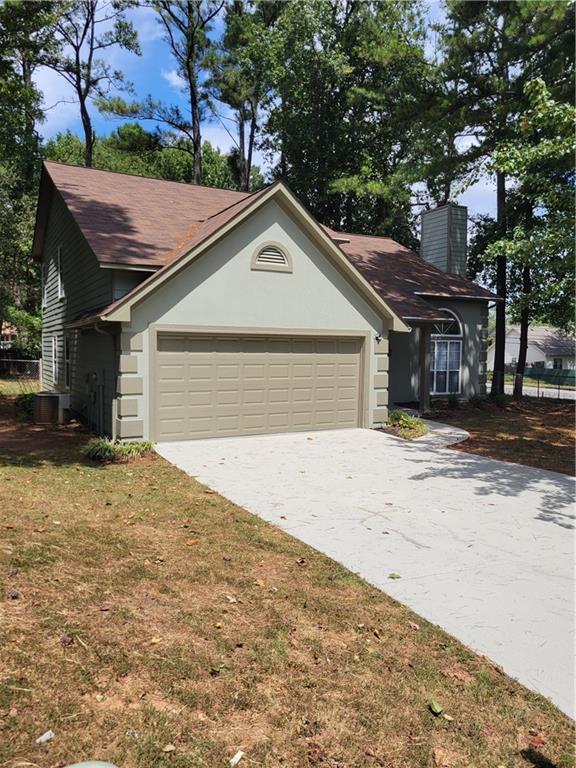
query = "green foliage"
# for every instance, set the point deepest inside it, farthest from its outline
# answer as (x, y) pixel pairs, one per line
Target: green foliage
(240, 67)
(344, 83)
(132, 149)
(24, 404)
(406, 425)
(28, 330)
(540, 158)
(81, 31)
(24, 38)
(106, 451)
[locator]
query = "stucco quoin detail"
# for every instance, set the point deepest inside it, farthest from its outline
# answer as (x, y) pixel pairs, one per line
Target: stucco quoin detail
(130, 385)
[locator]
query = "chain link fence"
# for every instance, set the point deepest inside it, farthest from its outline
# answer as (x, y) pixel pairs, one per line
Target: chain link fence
(553, 383)
(13, 368)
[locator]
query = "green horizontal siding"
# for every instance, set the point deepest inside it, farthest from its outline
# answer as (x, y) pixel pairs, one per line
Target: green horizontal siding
(87, 287)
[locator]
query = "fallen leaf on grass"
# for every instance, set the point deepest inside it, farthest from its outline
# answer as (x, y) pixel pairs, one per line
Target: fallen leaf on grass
(191, 542)
(413, 625)
(215, 670)
(169, 748)
(536, 741)
(155, 640)
(45, 737)
(440, 758)
(435, 708)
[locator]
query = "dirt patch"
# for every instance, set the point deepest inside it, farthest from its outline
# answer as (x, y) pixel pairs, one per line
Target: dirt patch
(18, 434)
(536, 432)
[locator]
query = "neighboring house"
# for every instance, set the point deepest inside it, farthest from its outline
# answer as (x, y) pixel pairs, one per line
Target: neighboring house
(174, 311)
(8, 335)
(547, 348)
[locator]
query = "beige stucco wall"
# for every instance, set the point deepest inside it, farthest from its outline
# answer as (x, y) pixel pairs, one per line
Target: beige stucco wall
(220, 289)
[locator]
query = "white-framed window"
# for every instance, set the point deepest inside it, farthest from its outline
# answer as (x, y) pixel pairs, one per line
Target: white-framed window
(446, 356)
(67, 368)
(55, 370)
(60, 281)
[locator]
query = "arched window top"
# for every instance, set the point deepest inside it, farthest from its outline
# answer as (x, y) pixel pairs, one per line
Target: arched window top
(449, 327)
(272, 257)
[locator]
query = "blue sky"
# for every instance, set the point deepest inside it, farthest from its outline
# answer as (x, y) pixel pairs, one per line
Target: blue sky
(154, 73)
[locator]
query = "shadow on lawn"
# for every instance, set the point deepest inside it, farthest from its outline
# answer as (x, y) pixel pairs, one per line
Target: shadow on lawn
(489, 476)
(536, 758)
(23, 444)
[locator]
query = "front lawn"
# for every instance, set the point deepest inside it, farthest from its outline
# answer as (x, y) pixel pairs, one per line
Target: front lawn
(148, 621)
(534, 431)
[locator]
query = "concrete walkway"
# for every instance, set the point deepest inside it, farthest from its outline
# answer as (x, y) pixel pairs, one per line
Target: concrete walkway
(484, 548)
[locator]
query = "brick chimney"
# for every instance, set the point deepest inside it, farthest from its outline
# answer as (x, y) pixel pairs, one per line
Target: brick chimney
(443, 238)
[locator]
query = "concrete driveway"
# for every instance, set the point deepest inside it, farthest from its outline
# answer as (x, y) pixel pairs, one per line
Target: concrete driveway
(484, 548)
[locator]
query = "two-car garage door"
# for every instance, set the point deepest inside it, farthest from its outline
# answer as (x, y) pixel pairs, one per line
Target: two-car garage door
(219, 386)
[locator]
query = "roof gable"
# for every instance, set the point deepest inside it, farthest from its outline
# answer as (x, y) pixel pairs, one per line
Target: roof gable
(202, 237)
(150, 224)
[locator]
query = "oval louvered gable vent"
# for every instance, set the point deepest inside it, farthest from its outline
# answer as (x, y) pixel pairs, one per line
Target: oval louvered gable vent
(271, 255)
(272, 258)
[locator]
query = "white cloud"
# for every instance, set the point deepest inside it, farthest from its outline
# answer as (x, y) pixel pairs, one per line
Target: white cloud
(145, 22)
(173, 78)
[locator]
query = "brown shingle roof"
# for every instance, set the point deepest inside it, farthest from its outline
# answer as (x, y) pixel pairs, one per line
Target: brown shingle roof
(401, 277)
(134, 220)
(138, 221)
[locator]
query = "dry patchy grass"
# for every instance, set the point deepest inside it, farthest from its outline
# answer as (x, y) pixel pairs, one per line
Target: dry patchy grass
(152, 612)
(536, 432)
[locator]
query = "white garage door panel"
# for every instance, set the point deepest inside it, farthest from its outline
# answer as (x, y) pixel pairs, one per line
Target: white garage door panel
(220, 387)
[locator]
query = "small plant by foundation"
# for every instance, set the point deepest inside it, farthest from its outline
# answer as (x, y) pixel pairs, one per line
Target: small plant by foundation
(24, 405)
(406, 426)
(107, 451)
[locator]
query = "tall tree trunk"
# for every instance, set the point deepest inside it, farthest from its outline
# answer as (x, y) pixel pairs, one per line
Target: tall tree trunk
(196, 133)
(88, 134)
(251, 140)
(243, 178)
(497, 387)
(524, 324)
(29, 130)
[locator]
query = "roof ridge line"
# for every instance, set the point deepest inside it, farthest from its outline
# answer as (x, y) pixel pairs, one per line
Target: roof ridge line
(149, 178)
(242, 199)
